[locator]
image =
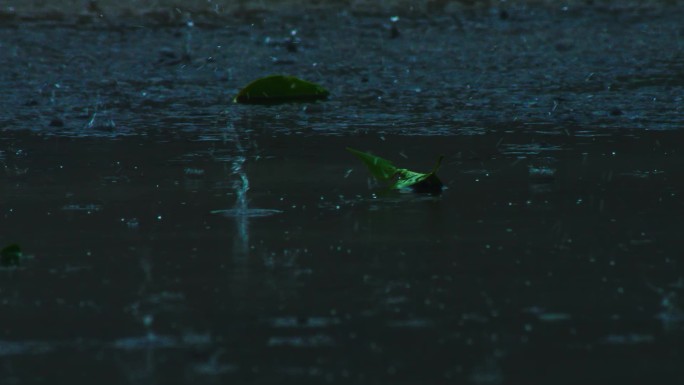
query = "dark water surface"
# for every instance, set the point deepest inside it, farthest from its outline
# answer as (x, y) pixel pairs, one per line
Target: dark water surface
(174, 237)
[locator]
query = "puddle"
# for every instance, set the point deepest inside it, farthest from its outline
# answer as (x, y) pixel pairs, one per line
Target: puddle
(554, 317)
(234, 244)
(629, 339)
(313, 341)
(214, 369)
(411, 324)
(150, 341)
(527, 149)
(304, 322)
(10, 348)
(87, 208)
(246, 212)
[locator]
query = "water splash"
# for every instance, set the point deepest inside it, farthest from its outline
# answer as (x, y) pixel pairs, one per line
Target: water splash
(241, 210)
(241, 185)
(101, 121)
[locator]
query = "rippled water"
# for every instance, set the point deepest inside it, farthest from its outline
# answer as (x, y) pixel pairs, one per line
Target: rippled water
(171, 236)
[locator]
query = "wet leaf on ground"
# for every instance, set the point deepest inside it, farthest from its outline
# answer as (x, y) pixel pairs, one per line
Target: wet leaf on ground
(401, 178)
(10, 255)
(280, 89)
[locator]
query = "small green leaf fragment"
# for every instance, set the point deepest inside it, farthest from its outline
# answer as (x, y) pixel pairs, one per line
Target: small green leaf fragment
(381, 168)
(10, 255)
(385, 171)
(275, 89)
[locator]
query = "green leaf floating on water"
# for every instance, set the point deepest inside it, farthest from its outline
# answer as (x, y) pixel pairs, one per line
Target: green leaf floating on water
(280, 89)
(10, 255)
(401, 178)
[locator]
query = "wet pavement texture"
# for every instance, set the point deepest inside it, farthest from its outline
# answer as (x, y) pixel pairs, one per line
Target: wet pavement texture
(171, 236)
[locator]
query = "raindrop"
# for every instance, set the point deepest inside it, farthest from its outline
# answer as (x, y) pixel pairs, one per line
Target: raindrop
(147, 320)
